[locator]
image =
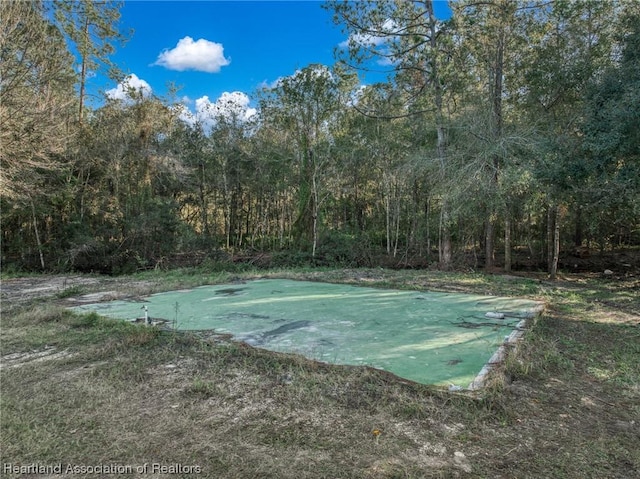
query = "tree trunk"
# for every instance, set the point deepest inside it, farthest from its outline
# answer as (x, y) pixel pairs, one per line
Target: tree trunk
(83, 71)
(444, 242)
(550, 224)
(204, 214)
(282, 222)
(495, 93)
(227, 209)
(397, 233)
(387, 205)
(578, 235)
(444, 250)
(553, 272)
(37, 233)
(314, 213)
(489, 243)
(427, 212)
(507, 242)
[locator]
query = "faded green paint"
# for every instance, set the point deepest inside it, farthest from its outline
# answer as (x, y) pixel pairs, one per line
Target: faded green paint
(432, 338)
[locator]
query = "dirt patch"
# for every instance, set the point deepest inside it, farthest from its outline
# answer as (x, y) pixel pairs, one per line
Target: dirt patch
(70, 289)
(48, 353)
(22, 290)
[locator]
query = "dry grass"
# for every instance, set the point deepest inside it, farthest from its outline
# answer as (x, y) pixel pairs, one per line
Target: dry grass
(104, 392)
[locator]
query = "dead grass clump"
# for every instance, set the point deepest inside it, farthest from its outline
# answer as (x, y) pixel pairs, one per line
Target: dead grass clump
(36, 314)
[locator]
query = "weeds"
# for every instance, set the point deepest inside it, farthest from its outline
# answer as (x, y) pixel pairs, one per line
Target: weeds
(71, 291)
(201, 389)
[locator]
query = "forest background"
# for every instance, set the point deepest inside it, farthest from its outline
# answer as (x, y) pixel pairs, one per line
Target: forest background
(508, 137)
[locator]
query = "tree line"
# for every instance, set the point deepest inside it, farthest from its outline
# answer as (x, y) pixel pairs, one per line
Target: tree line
(508, 132)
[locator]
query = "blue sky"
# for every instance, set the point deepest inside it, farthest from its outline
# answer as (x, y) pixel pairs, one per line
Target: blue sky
(212, 47)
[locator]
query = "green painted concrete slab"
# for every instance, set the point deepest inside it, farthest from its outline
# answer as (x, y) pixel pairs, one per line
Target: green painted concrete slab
(431, 338)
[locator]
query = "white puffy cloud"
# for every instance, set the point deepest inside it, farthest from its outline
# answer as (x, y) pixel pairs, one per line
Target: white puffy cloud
(200, 55)
(131, 85)
(232, 107)
(183, 113)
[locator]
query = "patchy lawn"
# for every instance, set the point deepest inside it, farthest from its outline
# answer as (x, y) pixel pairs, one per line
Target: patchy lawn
(92, 394)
